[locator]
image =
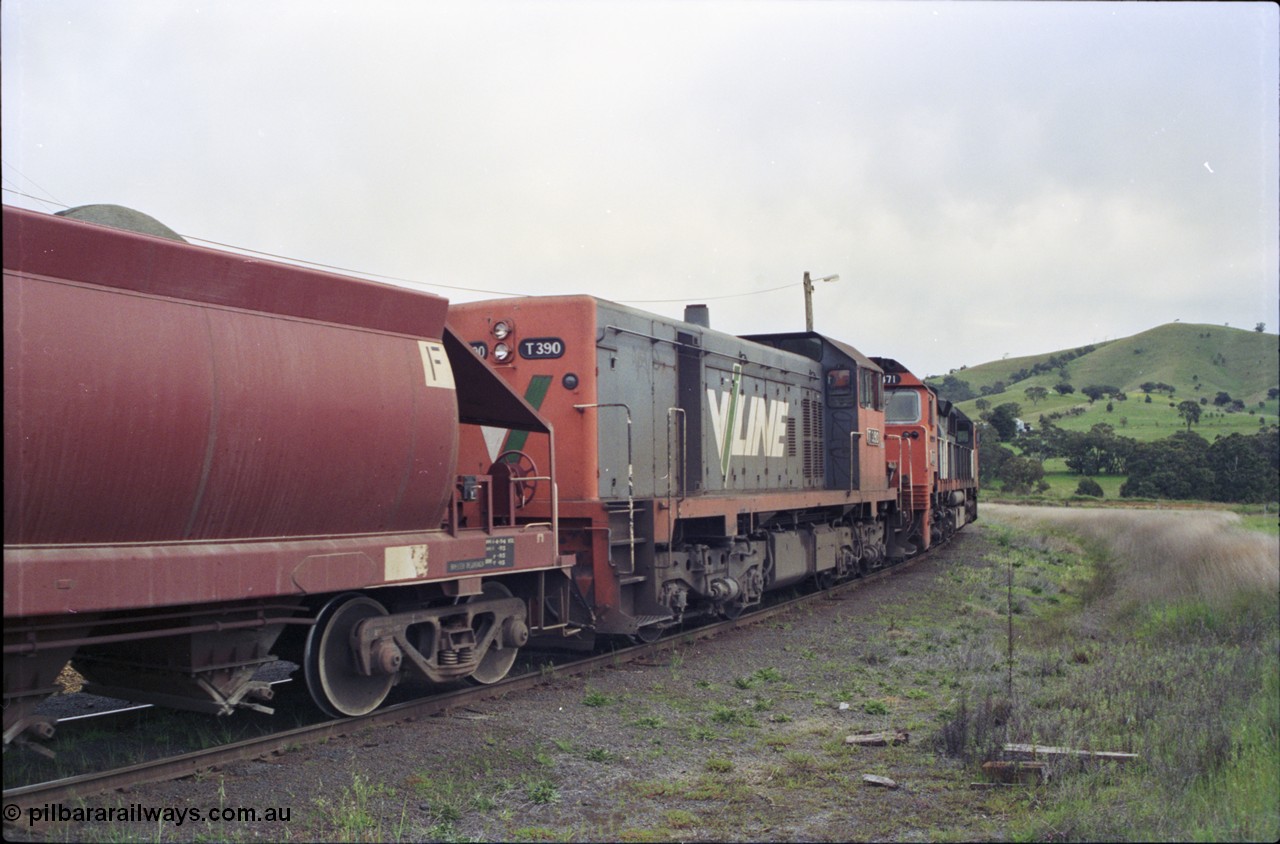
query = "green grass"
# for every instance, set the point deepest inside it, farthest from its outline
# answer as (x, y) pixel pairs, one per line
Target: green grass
(1262, 522)
(1197, 360)
(1178, 666)
(1237, 361)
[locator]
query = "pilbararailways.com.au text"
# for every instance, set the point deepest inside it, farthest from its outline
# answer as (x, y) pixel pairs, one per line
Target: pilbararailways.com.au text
(138, 813)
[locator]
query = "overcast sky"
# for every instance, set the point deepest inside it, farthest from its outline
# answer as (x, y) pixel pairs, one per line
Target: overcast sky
(985, 178)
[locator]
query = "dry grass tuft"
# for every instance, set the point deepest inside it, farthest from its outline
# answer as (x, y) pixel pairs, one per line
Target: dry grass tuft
(1168, 555)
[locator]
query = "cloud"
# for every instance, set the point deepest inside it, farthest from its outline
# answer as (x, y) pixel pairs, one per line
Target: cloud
(1032, 169)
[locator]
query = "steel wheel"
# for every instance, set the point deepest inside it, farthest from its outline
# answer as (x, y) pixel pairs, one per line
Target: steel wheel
(329, 664)
(497, 661)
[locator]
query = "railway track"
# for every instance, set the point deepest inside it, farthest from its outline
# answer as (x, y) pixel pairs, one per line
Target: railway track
(276, 743)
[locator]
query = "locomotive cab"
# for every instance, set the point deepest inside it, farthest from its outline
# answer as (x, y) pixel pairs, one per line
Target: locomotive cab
(933, 460)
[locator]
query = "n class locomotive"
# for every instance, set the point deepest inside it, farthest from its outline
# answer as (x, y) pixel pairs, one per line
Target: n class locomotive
(214, 462)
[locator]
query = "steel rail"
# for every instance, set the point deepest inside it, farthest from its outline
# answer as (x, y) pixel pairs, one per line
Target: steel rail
(188, 764)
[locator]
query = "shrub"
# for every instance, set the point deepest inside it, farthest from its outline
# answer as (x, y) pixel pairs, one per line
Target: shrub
(1088, 486)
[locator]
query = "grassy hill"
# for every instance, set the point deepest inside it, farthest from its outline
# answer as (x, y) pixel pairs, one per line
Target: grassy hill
(1198, 361)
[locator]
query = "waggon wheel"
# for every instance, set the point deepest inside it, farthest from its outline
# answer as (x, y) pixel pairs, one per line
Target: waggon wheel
(329, 663)
(496, 661)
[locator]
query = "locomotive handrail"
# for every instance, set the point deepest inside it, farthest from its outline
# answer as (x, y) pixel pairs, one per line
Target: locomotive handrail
(631, 500)
(671, 466)
(901, 460)
(852, 434)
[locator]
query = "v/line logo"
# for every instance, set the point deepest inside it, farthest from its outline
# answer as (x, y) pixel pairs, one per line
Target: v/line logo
(761, 431)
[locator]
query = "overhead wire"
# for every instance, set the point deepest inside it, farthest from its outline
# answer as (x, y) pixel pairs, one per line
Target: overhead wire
(409, 281)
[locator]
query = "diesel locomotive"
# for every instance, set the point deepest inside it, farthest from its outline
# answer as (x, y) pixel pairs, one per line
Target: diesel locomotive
(213, 462)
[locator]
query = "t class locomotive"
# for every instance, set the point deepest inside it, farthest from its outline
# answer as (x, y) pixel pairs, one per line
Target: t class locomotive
(213, 462)
(708, 469)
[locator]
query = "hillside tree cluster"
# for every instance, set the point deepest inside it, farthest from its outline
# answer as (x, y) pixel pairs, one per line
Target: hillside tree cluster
(1233, 468)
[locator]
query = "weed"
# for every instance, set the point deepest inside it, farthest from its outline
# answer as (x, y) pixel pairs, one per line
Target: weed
(599, 754)
(731, 715)
(596, 698)
(680, 819)
(541, 791)
(350, 814)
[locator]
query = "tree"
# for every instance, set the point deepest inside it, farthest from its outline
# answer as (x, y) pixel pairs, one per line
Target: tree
(954, 390)
(1244, 468)
(1088, 486)
(1020, 474)
(1097, 391)
(1004, 418)
(1260, 327)
(1190, 411)
(982, 404)
(1035, 394)
(1176, 467)
(991, 455)
(1098, 452)
(1064, 389)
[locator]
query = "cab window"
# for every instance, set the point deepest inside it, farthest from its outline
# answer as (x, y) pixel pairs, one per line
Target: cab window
(871, 387)
(903, 407)
(840, 388)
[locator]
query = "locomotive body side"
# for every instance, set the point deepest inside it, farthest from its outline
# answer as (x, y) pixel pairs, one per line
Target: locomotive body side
(202, 450)
(700, 475)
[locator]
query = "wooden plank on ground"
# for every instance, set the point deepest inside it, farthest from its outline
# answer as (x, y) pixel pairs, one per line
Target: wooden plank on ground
(1040, 751)
(894, 737)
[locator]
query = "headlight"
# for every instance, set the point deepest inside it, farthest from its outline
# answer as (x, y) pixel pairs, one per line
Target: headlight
(502, 353)
(501, 329)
